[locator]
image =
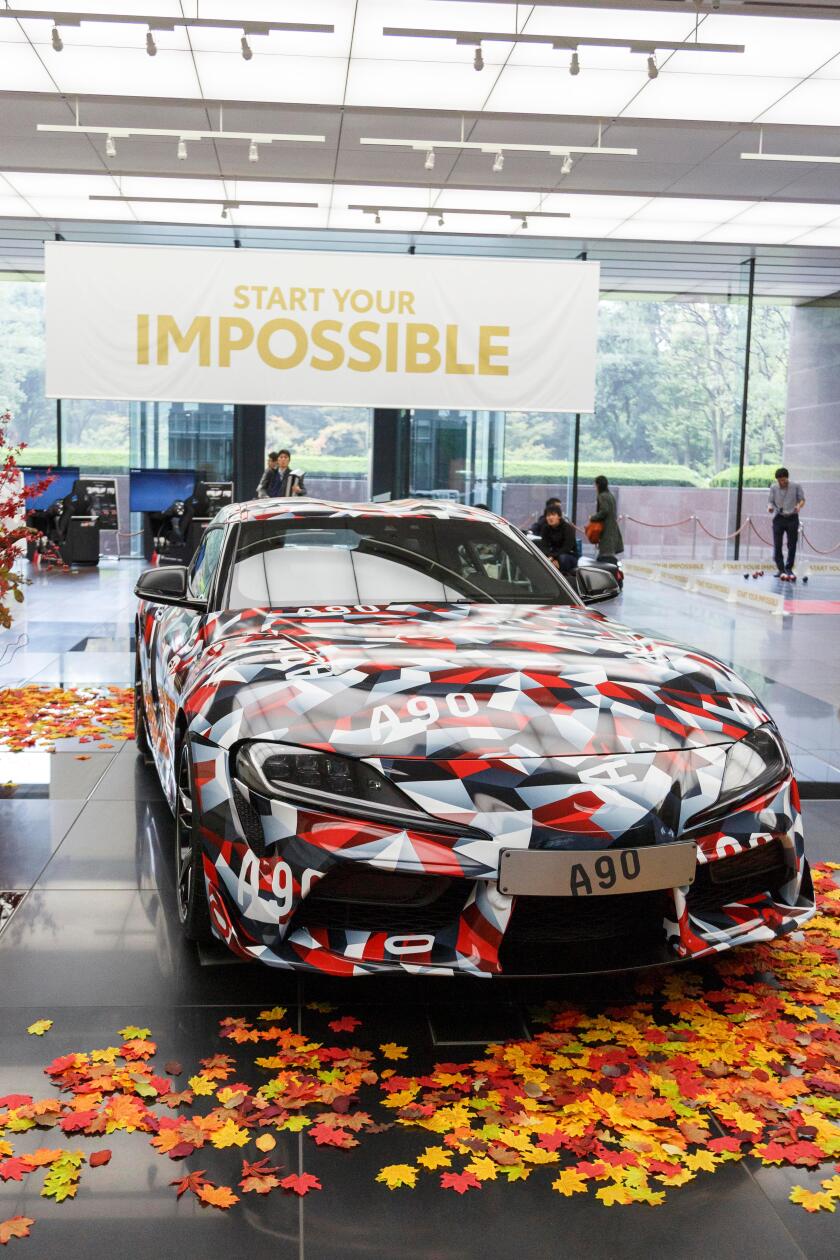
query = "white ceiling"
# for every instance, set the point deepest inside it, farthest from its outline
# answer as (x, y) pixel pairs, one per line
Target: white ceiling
(690, 124)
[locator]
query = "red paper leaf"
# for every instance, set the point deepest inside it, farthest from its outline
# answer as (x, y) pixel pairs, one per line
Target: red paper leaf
(301, 1183)
(460, 1182)
(97, 1158)
(193, 1181)
(14, 1169)
(347, 1023)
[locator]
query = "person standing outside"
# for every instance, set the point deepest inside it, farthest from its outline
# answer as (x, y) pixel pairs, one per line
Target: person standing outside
(611, 543)
(784, 503)
(279, 481)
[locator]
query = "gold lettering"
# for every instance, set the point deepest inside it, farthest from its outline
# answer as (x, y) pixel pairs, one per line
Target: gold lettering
(406, 302)
(421, 339)
(276, 299)
(487, 333)
(452, 365)
(392, 332)
(358, 340)
(259, 289)
(297, 299)
(316, 298)
(143, 339)
(361, 301)
(341, 298)
(333, 348)
(198, 329)
(228, 325)
(264, 343)
(241, 297)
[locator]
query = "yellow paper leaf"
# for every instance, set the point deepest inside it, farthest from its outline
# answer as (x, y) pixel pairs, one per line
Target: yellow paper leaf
(40, 1027)
(393, 1051)
(435, 1157)
(265, 1142)
(395, 1175)
(569, 1182)
(813, 1200)
(229, 1134)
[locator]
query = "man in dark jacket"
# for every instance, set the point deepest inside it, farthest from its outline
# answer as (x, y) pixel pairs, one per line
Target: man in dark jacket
(553, 502)
(279, 481)
(557, 540)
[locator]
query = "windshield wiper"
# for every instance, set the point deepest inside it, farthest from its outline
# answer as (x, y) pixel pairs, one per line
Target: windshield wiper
(373, 545)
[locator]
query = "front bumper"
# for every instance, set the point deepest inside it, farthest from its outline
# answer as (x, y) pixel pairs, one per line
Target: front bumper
(343, 896)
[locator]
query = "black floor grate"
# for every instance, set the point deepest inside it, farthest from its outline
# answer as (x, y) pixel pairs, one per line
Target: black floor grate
(9, 902)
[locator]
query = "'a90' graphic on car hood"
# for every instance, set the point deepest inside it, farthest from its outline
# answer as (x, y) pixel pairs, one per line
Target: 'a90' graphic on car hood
(459, 681)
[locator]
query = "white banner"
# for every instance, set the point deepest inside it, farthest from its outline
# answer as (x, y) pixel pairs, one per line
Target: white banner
(262, 326)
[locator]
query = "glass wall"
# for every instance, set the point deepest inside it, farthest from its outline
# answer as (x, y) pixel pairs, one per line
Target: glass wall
(22, 363)
(183, 435)
(331, 445)
(457, 455)
(95, 435)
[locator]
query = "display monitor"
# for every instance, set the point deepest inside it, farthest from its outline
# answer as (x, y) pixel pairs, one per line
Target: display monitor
(62, 484)
(154, 489)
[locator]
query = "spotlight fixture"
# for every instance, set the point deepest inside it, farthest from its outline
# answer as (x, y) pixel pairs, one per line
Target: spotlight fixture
(110, 147)
(524, 224)
(182, 150)
(498, 162)
(57, 41)
(429, 163)
(377, 218)
(653, 69)
(478, 60)
(247, 50)
(440, 220)
(494, 147)
(566, 168)
(574, 64)
(224, 212)
(253, 152)
(518, 216)
(151, 46)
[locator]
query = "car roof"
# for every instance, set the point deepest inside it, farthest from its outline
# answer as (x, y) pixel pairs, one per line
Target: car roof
(300, 508)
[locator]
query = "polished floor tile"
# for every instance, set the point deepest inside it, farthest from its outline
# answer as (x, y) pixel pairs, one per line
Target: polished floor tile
(128, 778)
(56, 776)
(108, 847)
(30, 833)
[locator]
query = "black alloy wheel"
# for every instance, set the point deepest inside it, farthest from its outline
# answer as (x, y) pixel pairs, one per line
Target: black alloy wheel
(141, 733)
(190, 890)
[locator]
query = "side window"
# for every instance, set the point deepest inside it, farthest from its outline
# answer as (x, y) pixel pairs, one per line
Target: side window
(205, 563)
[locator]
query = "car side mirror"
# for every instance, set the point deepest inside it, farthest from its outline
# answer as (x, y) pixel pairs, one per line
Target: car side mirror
(596, 585)
(168, 585)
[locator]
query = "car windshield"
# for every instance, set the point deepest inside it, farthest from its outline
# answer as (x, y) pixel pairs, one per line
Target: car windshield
(386, 560)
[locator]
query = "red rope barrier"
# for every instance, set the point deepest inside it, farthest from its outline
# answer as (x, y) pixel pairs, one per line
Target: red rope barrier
(660, 524)
(724, 537)
(830, 551)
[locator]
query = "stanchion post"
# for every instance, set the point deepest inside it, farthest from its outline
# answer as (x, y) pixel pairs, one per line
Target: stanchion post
(693, 537)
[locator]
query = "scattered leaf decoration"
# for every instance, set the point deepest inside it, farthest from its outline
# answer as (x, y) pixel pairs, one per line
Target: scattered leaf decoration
(395, 1175)
(258, 1178)
(301, 1183)
(736, 1060)
(217, 1196)
(392, 1051)
(40, 1027)
(15, 1227)
(35, 718)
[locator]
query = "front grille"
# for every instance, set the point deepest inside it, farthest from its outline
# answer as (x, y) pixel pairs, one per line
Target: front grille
(729, 879)
(568, 934)
(418, 903)
(250, 822)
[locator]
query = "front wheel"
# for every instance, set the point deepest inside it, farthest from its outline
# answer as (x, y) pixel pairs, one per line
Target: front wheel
(191, 892)
(141, 734)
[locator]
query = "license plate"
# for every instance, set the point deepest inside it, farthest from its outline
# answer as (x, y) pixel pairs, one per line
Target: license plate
(595, 872)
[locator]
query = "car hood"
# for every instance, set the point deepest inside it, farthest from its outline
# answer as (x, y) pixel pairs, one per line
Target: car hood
(452, 681)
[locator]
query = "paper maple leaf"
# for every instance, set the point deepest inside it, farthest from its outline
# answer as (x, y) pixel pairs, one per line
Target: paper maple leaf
(392, 1051)
(132, 1033)
(326, 1135)
(396, 1175)
(276, 1012)
(347, 1023)
(15, 1227)
(229, 1134)
(301, 1183)
(569, 1182)
(217, 1196)
(259, 1178)
(265, 1142)
(15, 1168)
(813, 1200)
(435, 1157)
(97, 1159)
(460, 1182)
(192, 1181)
(40, 1027)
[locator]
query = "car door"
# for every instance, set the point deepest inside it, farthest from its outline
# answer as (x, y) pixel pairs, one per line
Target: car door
(177, 643)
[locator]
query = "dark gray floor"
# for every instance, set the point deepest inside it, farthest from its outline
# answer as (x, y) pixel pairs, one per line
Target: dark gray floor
(95, 943)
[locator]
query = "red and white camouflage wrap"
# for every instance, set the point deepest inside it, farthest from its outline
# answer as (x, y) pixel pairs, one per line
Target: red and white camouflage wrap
(518, 727)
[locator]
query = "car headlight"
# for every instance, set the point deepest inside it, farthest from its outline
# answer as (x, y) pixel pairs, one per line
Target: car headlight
(754, 764)
(333, 784)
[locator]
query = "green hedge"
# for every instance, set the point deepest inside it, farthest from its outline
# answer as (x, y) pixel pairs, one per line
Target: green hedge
(755, 475)
(618, 474)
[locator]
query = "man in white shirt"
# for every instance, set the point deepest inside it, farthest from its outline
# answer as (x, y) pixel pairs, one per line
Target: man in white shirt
(785, 500)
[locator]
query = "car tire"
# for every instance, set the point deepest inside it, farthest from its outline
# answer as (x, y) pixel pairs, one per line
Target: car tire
(190, 889)
(141, 733)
